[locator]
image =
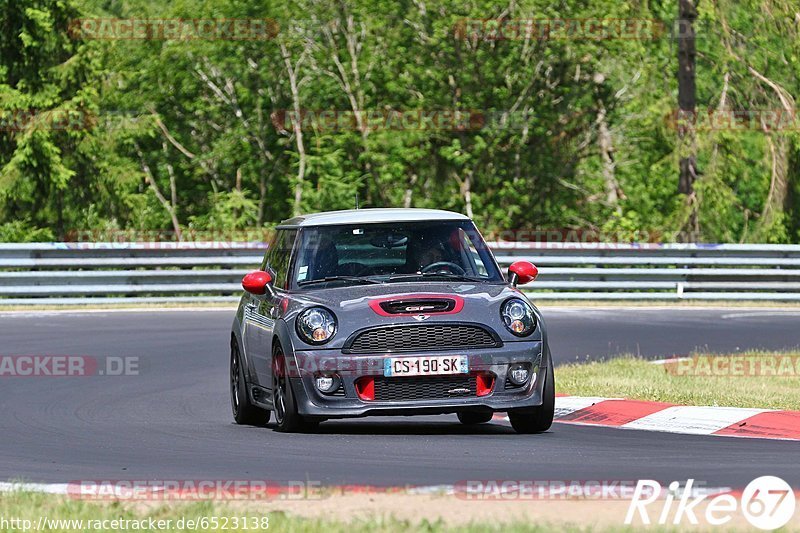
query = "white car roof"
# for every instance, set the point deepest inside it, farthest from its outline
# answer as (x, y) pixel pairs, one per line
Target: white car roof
(371, 216)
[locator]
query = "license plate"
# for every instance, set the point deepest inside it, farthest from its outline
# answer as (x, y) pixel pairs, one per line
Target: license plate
(426, 366)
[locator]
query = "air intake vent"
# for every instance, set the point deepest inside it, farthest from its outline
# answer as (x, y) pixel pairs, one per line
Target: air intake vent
(424, 388)
(418, 306)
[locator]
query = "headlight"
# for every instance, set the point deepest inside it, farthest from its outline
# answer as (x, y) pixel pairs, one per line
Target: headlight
(518, 317)
(316, 325)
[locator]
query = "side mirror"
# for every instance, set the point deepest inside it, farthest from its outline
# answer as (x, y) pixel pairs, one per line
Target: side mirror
(256, 282)
(522, 272)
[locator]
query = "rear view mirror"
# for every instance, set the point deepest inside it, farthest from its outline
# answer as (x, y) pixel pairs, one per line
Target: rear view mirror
(389, 240)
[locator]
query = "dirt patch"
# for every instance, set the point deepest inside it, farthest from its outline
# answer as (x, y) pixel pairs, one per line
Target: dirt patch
(456, 511)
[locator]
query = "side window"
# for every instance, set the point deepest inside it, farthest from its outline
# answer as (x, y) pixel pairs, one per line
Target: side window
(472, 256)
(281, 256)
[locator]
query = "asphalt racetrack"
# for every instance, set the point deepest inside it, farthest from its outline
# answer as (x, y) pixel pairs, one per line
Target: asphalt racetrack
(173, 421)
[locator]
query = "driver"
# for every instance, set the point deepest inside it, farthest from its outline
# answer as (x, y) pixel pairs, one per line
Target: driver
(431, 255)
(432, 246)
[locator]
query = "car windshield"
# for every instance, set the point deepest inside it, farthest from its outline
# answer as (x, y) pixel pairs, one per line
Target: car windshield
(398, 251)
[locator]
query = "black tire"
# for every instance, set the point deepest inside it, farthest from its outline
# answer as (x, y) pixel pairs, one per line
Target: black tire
(244, 412)
(537, 419)
(470, 418)
(287, 419)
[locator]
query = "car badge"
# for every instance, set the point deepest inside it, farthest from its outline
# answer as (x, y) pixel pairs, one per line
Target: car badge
(421, 317)
(459, 390)
(412, 308)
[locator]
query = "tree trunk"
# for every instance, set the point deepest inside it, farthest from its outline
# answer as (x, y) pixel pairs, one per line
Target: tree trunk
(297, 126)
(262, 197)
(778, 194)
(686, 95)
(410, 191)
(60, 217)
(613, 191)
(466, 190)
(687, 145)
(170, 207)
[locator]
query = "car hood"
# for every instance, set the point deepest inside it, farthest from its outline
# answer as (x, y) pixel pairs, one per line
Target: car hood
(353, 297)
(479, 303)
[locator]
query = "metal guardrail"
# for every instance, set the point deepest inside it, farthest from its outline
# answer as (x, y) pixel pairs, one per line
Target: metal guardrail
(66, 273)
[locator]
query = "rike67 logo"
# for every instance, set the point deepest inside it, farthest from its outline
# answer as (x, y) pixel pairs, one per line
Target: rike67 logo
(768, 503)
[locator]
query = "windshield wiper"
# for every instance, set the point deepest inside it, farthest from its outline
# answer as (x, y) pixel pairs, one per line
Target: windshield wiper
(443, 275)
(354, 279)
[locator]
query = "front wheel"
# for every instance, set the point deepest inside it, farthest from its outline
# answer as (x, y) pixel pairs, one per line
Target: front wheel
(537, 419)
(287, 419)
(244, 412)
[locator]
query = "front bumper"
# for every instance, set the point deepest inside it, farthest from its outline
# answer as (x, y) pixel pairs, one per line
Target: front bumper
(350, 367)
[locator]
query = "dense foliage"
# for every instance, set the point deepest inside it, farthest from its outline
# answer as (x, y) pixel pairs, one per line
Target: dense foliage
(566, 131)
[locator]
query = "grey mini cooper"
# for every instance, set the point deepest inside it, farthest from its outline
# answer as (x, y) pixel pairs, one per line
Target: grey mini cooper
(387, 312)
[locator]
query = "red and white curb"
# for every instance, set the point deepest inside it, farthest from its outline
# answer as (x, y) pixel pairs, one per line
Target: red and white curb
(211, 490)
(671, 418)
(468, 490)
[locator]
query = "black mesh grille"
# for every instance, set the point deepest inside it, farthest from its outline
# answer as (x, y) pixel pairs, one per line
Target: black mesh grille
(413, 338)
(425, 388)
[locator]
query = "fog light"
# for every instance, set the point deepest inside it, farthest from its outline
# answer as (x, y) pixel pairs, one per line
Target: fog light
(518, 374)
(326, 384)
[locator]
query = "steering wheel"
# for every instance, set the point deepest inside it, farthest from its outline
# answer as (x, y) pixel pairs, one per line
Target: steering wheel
(446, 265)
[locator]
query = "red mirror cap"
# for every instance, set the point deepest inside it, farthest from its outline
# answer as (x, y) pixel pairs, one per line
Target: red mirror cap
(256, 282)
(525, 271)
